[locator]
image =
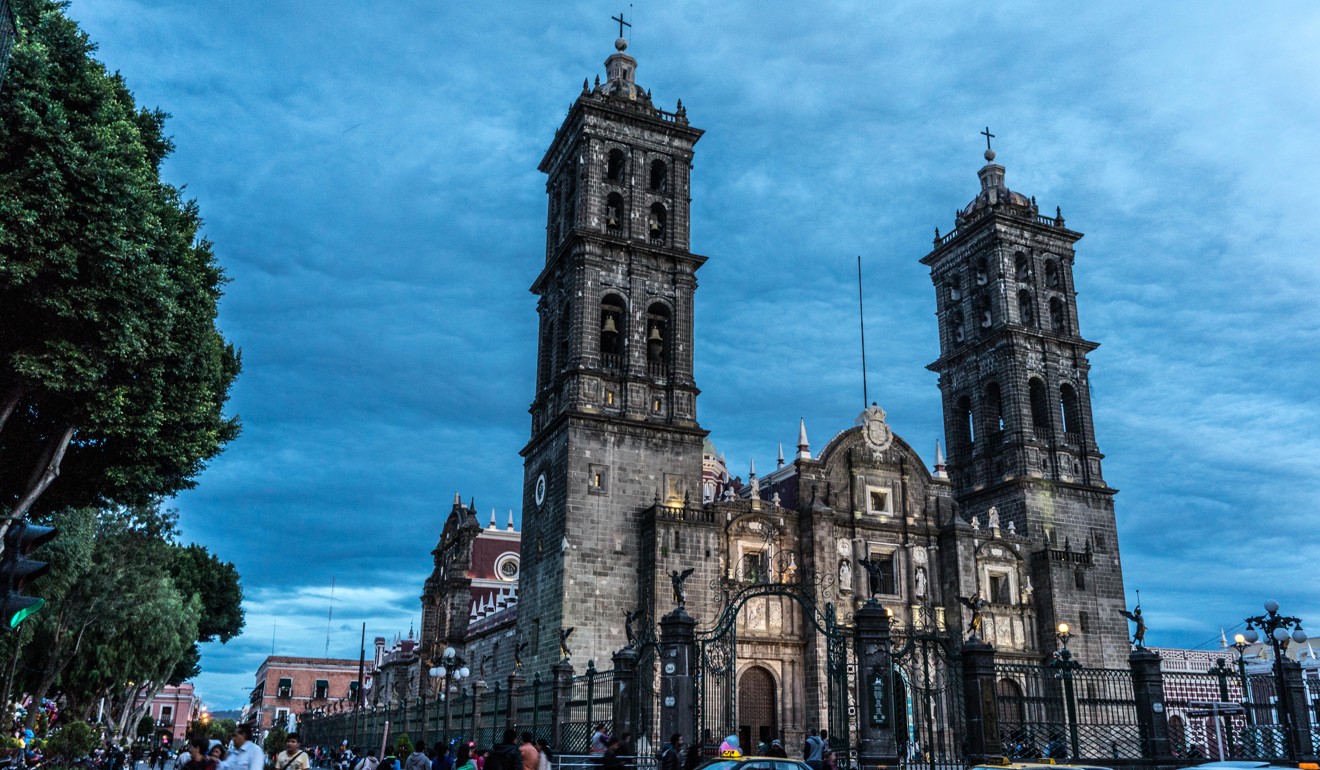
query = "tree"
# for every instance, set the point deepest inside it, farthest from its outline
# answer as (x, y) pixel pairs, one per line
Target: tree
(74, 740)
(221, 729)
(273, 743)
(112, 371)
(197, 572)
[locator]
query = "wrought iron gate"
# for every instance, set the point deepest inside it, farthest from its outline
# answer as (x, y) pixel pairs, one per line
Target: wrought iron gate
(928, 694)
(715, 670)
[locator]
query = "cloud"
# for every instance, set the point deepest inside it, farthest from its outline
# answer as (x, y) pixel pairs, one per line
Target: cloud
(368, 174)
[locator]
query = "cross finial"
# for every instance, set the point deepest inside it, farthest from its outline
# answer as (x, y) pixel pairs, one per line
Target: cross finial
(622, 23)
(986, 133)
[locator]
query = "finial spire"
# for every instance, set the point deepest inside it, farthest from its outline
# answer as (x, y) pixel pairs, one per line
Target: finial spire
(781, 455)
(804, 449)
(510, 527)
(492, 518)
(621, 44)
(940, 468)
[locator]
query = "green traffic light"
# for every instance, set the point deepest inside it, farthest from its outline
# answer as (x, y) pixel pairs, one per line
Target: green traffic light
(18, 609)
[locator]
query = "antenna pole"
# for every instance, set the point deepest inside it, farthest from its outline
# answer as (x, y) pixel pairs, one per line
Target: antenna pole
(330, 616)
(861, 320)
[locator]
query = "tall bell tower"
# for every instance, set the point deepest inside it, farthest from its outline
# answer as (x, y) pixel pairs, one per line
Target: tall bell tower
(614, 423)
(1014, 378)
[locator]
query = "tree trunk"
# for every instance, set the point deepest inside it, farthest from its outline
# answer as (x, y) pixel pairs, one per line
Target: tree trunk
(44, 475)
(9, 402)
(54, 666)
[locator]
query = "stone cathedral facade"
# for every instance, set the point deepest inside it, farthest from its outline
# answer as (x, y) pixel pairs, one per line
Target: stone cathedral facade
(622, 488)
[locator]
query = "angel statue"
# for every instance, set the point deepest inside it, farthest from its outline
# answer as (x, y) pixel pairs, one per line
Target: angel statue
(876, 571)
(676, 579)
(977, 605)
(518, 649)
(564, 652)
(1139, 635)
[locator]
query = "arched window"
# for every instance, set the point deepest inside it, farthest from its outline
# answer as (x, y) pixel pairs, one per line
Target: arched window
(545, 363)
(1058, 321)
(657, 338)
(1051, 274)
(1072, 423)
(655, 223)
(1040, 410)
(984, 316)
(1079, 580)
(569, 209)
(994, 408)
(1026, 311)
(614, 213)
(613, 331)
(956, 324)
(982, 272)
(1022, 267)
(964, 424)
(659, 176)
(614, 166)
(955, 293)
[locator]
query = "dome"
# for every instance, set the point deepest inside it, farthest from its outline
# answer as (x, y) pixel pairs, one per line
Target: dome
(993, 190)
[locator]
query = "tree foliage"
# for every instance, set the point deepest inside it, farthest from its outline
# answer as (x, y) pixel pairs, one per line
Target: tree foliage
(72, 741)
(113, 374)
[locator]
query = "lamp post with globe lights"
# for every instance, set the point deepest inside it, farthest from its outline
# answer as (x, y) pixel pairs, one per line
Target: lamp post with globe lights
(450, 670)
(1279, 629)
(1064, 667)
(1241, 644)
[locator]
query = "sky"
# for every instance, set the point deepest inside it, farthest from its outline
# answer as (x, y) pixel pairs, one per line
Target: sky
(367, 171)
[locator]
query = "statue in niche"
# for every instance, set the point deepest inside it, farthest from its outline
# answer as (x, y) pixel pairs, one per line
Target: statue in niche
(921, 582)
(845, 575)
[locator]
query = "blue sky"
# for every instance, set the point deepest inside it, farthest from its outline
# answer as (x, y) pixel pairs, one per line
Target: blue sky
(368, 174)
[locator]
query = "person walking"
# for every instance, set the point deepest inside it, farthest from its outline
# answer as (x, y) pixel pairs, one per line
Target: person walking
(369, 762)
(505, 755)
(418, 760)
(671, 756)
(293, 757)
(463, 759)
(244, 754)
(531, 758)
(543, 759)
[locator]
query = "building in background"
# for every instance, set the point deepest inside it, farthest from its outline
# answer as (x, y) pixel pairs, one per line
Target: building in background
(173, 709)
(288, 686)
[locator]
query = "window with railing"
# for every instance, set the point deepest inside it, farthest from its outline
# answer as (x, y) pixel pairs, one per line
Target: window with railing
(322, 690)
(285, 689)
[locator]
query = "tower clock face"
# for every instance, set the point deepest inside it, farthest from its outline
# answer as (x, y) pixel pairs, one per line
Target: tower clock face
(540, 490)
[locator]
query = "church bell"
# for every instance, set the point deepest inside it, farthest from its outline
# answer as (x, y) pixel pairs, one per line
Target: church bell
(608, 327)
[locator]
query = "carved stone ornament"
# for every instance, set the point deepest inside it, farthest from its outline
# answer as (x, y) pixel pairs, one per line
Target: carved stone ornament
(875, 431)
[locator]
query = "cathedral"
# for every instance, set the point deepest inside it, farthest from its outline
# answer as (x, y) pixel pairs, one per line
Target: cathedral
(628, 509)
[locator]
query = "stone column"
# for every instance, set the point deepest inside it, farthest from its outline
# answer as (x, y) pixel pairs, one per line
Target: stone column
(1299, 718)
(516, 682)
(478, 688)
(625, 692)
(559, 697)
(677, 690)
(978, 667)
(876, 743)
(1148, 690)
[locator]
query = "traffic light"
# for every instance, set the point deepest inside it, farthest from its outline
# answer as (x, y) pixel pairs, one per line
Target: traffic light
(16, 570)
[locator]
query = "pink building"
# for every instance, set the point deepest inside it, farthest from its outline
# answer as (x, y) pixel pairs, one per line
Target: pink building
(173, 709)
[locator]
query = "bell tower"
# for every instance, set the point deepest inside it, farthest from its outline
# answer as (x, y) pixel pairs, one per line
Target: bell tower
(614, 424)
(1014, 379)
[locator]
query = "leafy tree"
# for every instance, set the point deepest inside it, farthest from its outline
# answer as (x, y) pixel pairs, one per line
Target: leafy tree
(73, 741)
(112, 371)
(403, 746)
(145, 727)
(221, 729)
(273, 743)
(197, 572)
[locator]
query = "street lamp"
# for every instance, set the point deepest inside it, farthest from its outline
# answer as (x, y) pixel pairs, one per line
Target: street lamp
(450, 669)
(1241, 644)
(1279, 629)
(1064, 666)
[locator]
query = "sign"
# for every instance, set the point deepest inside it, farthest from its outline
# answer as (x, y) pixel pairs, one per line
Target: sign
(879, 700)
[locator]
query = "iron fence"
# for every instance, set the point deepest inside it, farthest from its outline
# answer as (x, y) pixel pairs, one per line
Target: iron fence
(1082, 714)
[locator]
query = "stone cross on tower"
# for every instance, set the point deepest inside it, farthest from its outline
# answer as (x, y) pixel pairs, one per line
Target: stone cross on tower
(986, 133)
(623, 24)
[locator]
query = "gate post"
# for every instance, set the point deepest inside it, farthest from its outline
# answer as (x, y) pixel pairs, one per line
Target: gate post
(980, 701)
(876, 743)
(1148, 690)
(625, 692)
(1293, 701)
(678, 631)
(559, 697)
(516, 682)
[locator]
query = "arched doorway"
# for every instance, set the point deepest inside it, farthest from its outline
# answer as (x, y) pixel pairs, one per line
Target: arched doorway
(758, 709)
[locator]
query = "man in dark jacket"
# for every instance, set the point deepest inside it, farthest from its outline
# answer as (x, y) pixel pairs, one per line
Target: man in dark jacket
(505, 755)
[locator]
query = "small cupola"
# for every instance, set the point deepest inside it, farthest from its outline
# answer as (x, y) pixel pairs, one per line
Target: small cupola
(621, 71)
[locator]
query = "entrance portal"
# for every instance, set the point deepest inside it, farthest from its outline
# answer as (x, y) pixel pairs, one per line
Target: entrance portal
(758, 709)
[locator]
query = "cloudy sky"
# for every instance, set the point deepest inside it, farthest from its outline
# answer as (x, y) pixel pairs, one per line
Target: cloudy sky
(368, 174)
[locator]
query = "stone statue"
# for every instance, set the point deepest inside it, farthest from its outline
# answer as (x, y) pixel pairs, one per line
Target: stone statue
(976, 523)
(845, 575)
(564, 652)
(1012, 528)
(994, 517)
(1138, 635)
(676, 580)
(629, 627)
(875, 571)
(481, 668)
(921, 582)
(977, 605)
(518, 650)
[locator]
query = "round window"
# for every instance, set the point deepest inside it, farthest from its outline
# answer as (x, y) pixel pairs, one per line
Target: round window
(507, 567)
